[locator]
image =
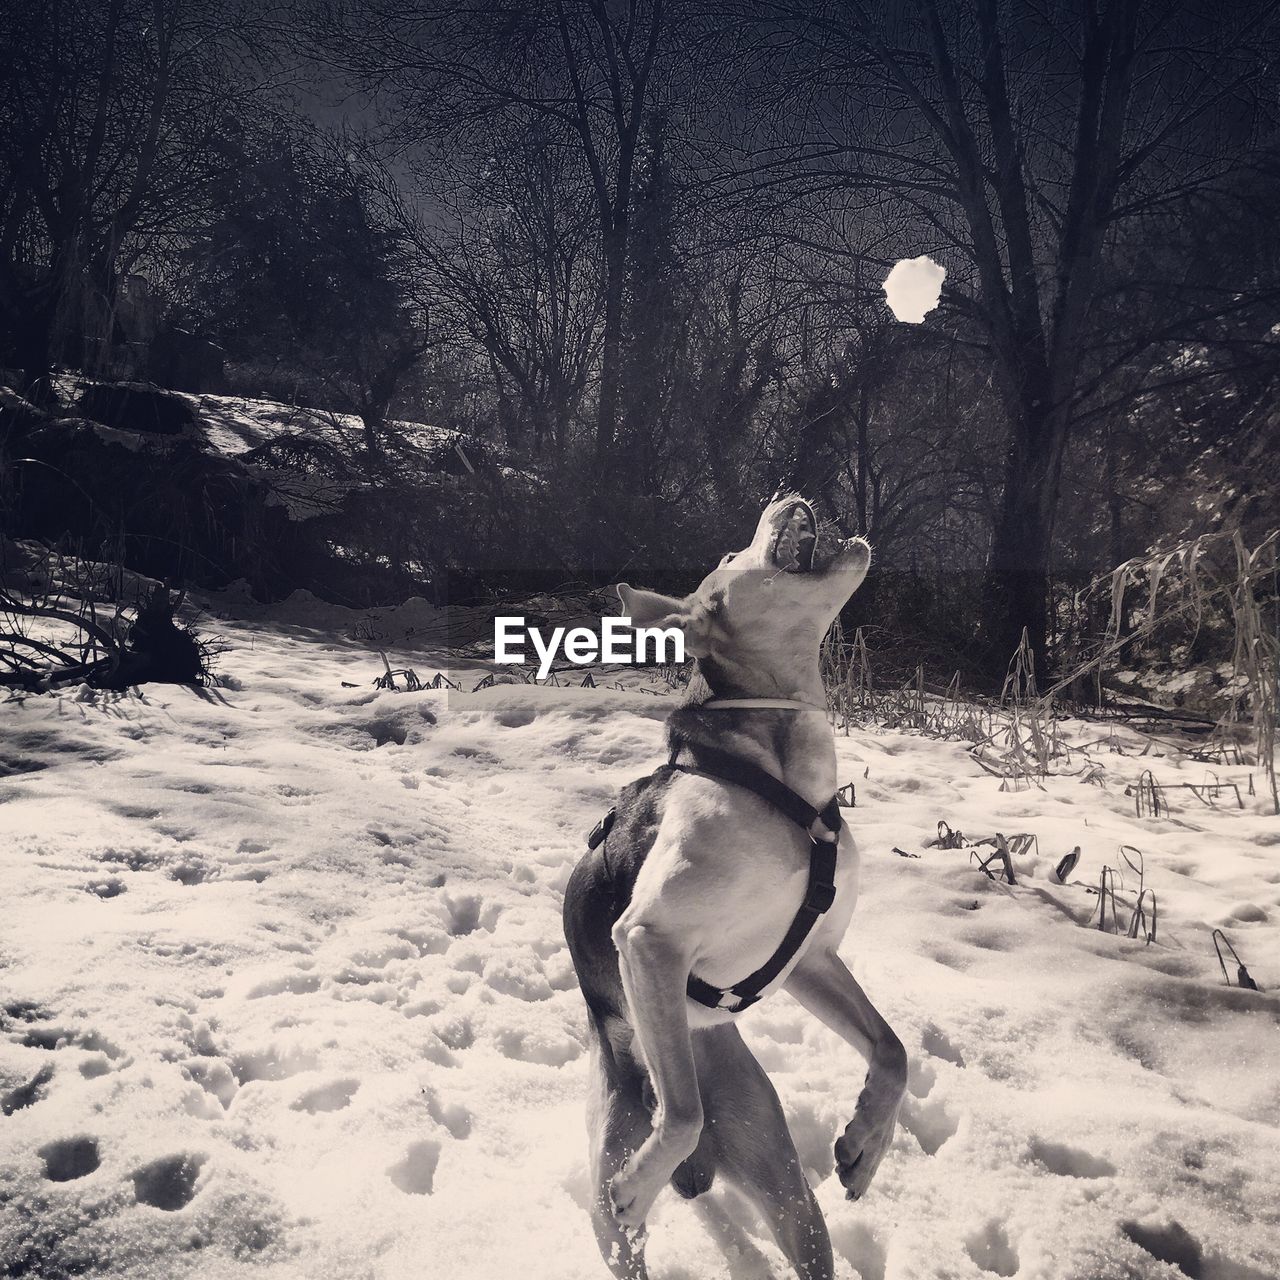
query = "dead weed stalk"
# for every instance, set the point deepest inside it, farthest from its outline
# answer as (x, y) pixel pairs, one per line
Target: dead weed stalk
(1214, 569)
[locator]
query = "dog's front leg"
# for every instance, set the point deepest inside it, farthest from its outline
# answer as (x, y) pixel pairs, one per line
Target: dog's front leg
(825, 987)
(655, 969)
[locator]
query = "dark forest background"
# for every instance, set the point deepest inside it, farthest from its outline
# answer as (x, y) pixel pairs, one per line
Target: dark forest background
(628, 257)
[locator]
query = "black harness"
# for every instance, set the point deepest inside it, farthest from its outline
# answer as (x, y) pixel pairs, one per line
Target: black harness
(820, 892)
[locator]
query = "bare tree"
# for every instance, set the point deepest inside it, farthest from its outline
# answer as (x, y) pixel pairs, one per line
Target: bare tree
(586, 73)
(113, 115)
(381, 324)
(511, 262)
(1026, 148)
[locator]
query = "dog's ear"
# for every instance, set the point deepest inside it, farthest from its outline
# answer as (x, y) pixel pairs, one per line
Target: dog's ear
(651, 609)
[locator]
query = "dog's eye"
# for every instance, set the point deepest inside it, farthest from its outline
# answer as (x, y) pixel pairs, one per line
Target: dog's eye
(732, 555)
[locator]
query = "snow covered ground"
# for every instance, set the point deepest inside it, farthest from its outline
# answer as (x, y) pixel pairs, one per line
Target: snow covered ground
(235, 424)
(283, 993)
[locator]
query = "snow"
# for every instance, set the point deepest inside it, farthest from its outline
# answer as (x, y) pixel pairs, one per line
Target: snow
(233, 425)
(912, 288)
(285, 993)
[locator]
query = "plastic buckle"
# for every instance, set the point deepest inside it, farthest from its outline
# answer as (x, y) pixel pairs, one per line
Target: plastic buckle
(601, 830)
(819, 897)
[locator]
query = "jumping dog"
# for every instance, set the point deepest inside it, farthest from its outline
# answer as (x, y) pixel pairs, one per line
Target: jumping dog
(723, 877)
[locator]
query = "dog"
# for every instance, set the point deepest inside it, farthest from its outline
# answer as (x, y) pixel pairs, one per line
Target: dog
(697, 879)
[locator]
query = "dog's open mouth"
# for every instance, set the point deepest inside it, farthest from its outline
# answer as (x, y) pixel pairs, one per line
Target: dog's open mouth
(796, 540)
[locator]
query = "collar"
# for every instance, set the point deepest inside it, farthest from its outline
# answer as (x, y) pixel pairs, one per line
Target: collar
(763, 704)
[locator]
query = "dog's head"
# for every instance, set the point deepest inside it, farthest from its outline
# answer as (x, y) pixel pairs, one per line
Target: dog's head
(766, 607)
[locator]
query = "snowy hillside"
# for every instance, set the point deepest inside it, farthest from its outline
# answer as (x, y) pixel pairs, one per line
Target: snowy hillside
(285, 994)
(234, 425)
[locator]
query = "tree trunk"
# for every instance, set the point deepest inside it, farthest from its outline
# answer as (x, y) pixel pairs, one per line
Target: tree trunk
(864, 457)
(1016, 595)
(1115, 500)
(371, 419)
(611, 345)
(34, 348)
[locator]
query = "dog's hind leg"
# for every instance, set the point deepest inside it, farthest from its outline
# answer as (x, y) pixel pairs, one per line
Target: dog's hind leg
(754, 1150)
(617, 1124)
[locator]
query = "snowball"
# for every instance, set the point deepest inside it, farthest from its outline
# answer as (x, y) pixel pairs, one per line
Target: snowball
(913, 288)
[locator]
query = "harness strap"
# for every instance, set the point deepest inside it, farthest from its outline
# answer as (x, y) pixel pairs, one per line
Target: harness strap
(761, 704)
(713, 763)
(819, 895)
(820, 892)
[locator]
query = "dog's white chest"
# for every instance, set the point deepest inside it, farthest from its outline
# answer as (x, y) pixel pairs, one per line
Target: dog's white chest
(762, 898)
(732, 890)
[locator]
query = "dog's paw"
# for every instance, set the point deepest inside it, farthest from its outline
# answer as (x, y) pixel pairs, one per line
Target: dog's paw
(628, 1200)
(634, 1188)
(860, 1149)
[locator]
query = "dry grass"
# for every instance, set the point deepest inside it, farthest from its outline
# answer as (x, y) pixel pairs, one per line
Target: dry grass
(1017, 737)
(1214, 571)
(1014, 737)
